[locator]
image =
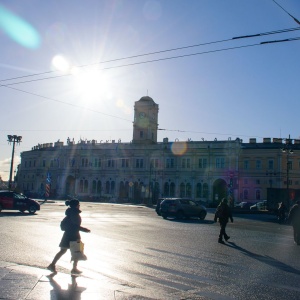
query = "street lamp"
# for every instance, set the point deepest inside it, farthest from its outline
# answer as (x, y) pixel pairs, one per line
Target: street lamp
(12, 139)
(288, 150)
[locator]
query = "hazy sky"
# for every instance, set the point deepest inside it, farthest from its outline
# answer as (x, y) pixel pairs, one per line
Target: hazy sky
(66, 71)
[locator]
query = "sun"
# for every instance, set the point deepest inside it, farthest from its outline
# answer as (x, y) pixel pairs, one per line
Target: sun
(91, 84)
(88, 83)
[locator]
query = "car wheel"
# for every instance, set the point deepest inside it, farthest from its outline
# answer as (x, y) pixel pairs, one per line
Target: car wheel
(32, 209)
(164, 216)
(202, 215)
(180, 215)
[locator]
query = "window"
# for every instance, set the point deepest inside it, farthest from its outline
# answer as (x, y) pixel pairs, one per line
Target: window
(125, 162)
(290, 165)
(186, 163)
(188, 190)
(270, 164)
(81, 186)
(86, 185)
(198, 190)
(154, 162)
(111, 163)
(246, 164)
(258, 164)
(169, 189)
(257, 181)
(94, 185)
(246, 194)
(139, 162)
(170, 163)
(141, 134)
(97, 162)
(183, 163)
(72, 162)
(220, 163)
(202, 163)
(257, 194)
(182, 190)
(205, 190)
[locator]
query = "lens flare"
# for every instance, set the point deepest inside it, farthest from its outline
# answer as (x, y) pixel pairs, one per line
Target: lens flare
(179, 148)
(60, 63)
(18, 30)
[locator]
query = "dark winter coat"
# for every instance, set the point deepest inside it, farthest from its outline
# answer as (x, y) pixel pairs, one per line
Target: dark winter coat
(223, 213)
(294, 216)
(73, 227)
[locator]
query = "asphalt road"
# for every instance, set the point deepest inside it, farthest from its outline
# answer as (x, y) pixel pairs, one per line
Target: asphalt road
(172, 259)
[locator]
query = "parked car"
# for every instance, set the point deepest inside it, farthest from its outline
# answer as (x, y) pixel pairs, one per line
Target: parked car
(15, 201)
(157, 208)
(243, 205)
(181, 208)
(262, 205)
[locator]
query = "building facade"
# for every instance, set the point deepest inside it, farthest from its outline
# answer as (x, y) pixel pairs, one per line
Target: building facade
(145, 169)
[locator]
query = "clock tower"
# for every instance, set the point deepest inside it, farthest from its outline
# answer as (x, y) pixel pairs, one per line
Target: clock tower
(145, 121)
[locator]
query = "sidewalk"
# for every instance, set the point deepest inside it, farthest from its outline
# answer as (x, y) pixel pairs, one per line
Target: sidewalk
(24, 282)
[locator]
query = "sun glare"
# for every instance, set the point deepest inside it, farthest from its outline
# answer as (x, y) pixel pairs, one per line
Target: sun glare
(92, 83)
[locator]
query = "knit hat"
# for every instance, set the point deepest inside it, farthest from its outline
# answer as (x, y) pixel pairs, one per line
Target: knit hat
(72, 203)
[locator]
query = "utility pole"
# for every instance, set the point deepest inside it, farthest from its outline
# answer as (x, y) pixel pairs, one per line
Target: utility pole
(12, 139)
(288, 150)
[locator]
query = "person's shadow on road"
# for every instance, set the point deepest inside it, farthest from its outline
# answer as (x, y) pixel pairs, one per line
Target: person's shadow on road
(265, 259)
(72, 293)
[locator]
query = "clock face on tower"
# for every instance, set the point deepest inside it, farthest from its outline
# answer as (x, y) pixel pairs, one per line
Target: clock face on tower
(142, 115)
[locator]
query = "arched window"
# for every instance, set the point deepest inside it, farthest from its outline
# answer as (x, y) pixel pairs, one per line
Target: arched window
(81, 186)
(257, 194)
(86, 186)
(205, 190)
(166, 190)
(188, 190)
(112, 187)
(246, 194)
(172, 189)
(107, 186)
(198, 190)
(182, 190)
(99, 187)
(94, 187)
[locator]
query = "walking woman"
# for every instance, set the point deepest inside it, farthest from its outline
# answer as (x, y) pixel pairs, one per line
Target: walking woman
(294, 218)
(223, 213)
(71, 234)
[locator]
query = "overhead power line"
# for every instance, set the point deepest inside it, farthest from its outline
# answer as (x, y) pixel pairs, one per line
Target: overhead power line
(297, 21)
(156, 52)
(138, 63)
(159, 59)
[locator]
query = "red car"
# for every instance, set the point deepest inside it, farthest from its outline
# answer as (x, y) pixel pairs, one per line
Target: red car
(15, 201)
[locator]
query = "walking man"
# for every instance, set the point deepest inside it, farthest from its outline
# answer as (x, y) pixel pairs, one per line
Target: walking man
(223, 213)
(294, 218)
